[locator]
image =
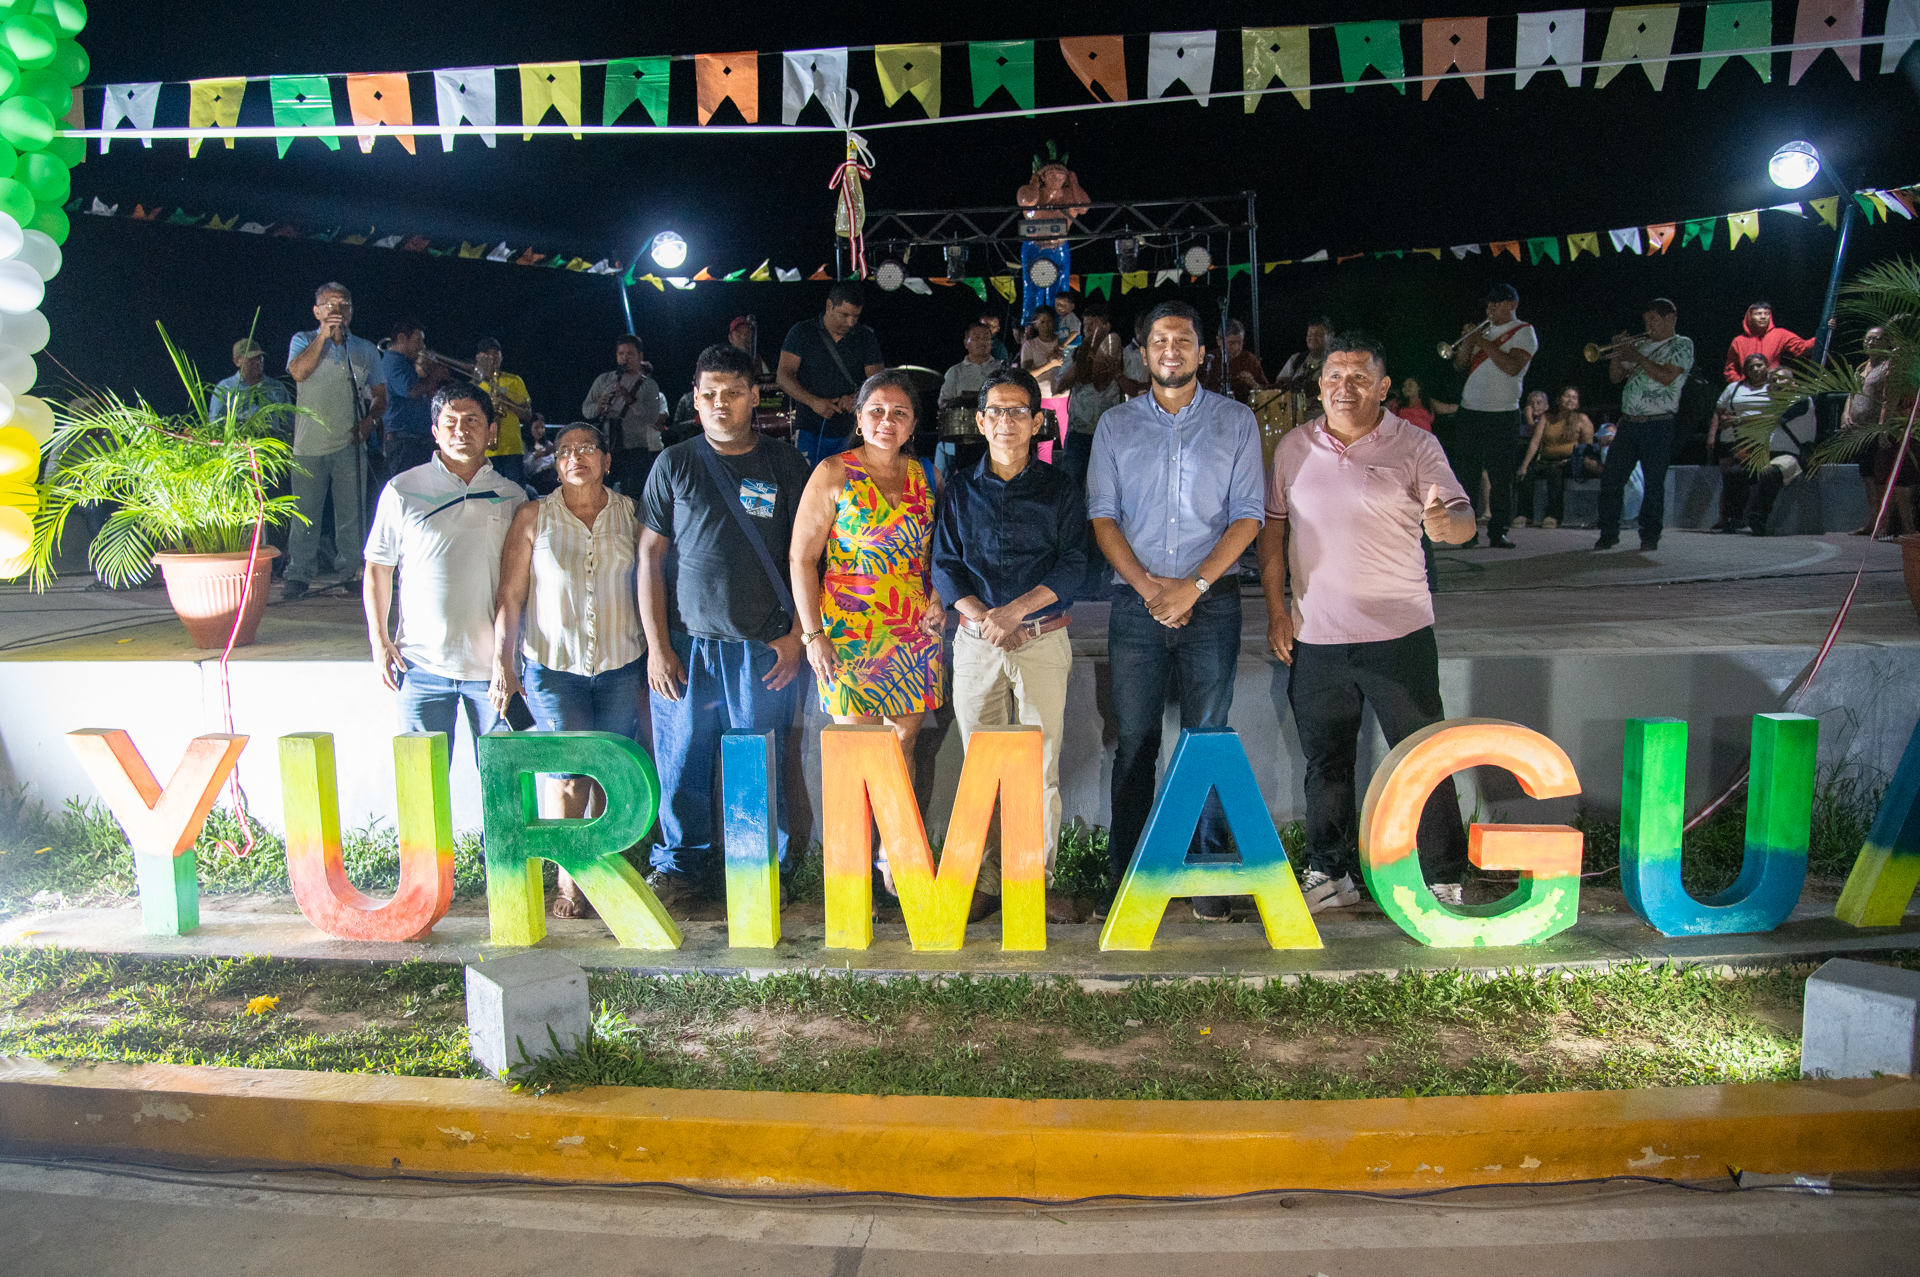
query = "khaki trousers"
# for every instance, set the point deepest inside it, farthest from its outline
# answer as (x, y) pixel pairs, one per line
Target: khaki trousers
(996, 688)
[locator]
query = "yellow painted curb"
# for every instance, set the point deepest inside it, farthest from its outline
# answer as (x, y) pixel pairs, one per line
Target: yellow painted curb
(954, 1147)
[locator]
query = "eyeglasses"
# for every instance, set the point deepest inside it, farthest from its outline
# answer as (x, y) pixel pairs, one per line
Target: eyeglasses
(576, 450)
(998, 413)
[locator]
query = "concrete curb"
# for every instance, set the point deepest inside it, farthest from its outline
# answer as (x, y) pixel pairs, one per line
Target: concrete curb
(952, 1147)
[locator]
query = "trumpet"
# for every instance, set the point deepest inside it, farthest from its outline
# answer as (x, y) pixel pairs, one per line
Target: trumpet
(1448, 349)
(1595, 352)
(465, 369)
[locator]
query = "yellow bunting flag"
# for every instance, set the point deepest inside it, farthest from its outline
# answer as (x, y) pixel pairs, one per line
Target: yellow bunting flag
(1589, 242)
(1130, 280)
(1658, 237)
(1274, 53)
(1642, 34)
(381, 99)
(719, 76)
(473, 250)
(760, 274)
(1828, 208)
(550, 86)
(213, 104)
(910, 68)
(1434, 253)
(656, 281)
(1742, 226)
(1507, 246)
(1003, 284)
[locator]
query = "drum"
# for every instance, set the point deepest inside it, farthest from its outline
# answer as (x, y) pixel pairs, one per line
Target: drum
(773, 416)
(1274, 411)
(957, 423)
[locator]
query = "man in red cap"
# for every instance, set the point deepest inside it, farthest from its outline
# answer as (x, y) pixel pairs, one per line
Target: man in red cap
(744, 334)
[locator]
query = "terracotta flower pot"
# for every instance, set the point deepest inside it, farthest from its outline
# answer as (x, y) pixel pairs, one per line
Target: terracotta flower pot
(1910, 567)
(205, 590)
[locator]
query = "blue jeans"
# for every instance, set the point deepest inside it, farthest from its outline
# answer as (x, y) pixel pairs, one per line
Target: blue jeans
(1148, 660)
(340, 474)
(430, 703)
(723, 692)
(606, 702)
(817, 447)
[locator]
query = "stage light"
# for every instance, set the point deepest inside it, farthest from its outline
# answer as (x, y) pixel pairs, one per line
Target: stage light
(1127, 251)
(956, 260)
(1043, 272)
(1794, 165)
(1198, 260)
(668, 250)
(890, 274)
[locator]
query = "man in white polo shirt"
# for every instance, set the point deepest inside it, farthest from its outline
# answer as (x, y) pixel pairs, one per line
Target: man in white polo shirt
(1487, 427)
(442, 525)
(1347, 499)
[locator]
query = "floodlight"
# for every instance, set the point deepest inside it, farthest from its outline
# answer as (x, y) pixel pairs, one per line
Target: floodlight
(668, 250)
(1043, 272)
(1794, 165)
(1198, 260)
(956, 260)
(1127, 251)
(890, 274)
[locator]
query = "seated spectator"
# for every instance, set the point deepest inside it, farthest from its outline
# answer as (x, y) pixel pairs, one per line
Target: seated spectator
(1092, 380)
(1041, 354)
(964, 379)
(1066, 318)
(1235, 370)
(568, 564)
(1411, 407)
(1744, 496)
(1554, 453)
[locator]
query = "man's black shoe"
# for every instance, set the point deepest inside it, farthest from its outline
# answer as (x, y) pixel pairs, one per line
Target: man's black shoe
(1211, 909)
(292, 590)
(1499, 543)
(1649, 544)
(1607, 541)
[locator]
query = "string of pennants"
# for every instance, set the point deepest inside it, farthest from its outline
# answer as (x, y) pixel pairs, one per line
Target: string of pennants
(466, 99)
(1655, 239)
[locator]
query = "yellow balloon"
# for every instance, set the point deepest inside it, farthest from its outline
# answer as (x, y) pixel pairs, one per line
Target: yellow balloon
(17, 494)
(19, 454)
(31, 413)
(16, 538)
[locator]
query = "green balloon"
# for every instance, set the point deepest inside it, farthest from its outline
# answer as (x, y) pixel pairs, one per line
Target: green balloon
(9, 160)
(53, 223)
(67, 17)
(9, 71)
(29, 39)
(16, 201)
(46, 86)
(26, 123)
(70, 62)
(46, 177)
(68, 150)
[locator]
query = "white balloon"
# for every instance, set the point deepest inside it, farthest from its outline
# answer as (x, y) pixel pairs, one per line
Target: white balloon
(38, 250)
(29, 332)
(33, 416)
(21, 288)
(17, 370)
(11, 236)
(6, 410)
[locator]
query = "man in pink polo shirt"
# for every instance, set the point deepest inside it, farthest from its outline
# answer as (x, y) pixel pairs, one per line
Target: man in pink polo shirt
(1347, 499)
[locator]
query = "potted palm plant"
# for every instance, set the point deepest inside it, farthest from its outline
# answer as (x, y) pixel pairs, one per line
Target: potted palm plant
(1879, 426)
(187, 492)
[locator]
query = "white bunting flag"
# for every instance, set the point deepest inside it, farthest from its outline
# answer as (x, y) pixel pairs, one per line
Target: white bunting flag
(1903, 28)
(1183, 57)
(787, 276)
(813, 73)
(500, 252)
(680, 281)
(134, 103)
(915, 284)
(1892, 204)
(465, 93)
(1169, 276)
(601, 267)
(1559, 37)
(1626, 239)
(103, 210)
(391, 241)
(1320, 256)
(252, 228)
(1460, 251)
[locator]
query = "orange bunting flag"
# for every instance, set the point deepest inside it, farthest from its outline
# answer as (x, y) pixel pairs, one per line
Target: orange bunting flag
(820, 272)
(1512, 246)
(1588, 242)
(703, 275)
(719, 76)
(1658, 237)
(1826, 20)
(1446, 43)
(1098, 59)
(381, 99)
(1742, 226)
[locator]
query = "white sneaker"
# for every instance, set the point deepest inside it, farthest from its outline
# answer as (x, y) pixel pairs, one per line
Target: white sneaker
(1549, 522)
(1447, 893)
(1519, 522)
(1325, 892)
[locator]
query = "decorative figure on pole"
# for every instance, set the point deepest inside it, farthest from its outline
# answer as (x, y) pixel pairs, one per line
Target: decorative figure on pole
(1052, 192)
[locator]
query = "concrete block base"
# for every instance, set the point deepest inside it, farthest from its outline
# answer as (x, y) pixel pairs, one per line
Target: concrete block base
(1860, 1020)
(518, 1006)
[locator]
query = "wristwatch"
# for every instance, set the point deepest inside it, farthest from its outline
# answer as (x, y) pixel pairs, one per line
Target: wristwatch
(1201, 584)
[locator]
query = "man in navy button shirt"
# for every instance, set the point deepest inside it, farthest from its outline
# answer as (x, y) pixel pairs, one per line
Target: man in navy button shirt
(1009, 545)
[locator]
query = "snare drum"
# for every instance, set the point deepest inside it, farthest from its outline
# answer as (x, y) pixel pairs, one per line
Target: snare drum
(957, 423)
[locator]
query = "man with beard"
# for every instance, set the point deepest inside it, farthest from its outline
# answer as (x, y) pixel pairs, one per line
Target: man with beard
(1175, 495)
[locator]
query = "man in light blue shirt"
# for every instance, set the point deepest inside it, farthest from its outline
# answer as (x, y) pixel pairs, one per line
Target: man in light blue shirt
(344, 392)
(1176, 493)
(250, 389)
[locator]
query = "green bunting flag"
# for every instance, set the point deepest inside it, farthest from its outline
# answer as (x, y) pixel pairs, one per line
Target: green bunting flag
(977, 284)
(1738, 26)
(301, 100)
(1101, 284)
(1700, 229)
(630, 80)
(1370, 44)
(1004, 64)
(1243, 268)
(1543, 246)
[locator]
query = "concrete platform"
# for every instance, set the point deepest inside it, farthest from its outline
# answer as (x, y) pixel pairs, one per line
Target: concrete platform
(1182, 950)
(1553, 635)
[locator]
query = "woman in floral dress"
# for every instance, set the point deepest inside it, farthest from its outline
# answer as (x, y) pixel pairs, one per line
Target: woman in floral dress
(872, 627)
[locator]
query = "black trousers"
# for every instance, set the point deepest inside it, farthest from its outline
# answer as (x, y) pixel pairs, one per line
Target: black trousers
(1486, 441)
(1328, 686)
(1650, 443)
(630, 469)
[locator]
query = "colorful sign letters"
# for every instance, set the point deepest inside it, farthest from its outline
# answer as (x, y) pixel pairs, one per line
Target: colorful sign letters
(865, 787)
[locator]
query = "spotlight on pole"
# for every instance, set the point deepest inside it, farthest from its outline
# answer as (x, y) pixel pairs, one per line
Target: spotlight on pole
(1128, 252)
(668, 250)
(956, 260)
(1794, 165)
(890, 274)
(1198, 261)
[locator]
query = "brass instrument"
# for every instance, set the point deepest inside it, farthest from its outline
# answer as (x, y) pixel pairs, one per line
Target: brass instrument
(460, 366)
(1595, 352)
(1448, 349)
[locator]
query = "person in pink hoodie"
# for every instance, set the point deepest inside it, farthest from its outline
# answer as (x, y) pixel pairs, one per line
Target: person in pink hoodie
(1761, 337)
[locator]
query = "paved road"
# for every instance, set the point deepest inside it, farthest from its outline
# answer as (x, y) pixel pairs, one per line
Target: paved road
(86, 1223)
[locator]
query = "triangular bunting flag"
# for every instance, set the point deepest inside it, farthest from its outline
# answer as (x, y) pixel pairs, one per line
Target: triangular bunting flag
(1101, 285)
(1793, 208)
(1543, 246)
(1098, 60)
(1446, 43)
(549, 86)
(1346, 257)
(1003, 284)
(630, 80)
(381, 99)
(1130, 280)
(1658, 237)
(99, 209)
(1266, 268)
(1868, 205)
(1828, 208)
(416, 244)
(915, 284)
(212, 104)
(1181, 57)
(473, 250)
(977, 284)
(465, 93)
(1826, 20)
(1906, 199)
(1073, 284)
(246, 228)
(719, 76)
(134, 103)
(1558, 37)
(1742, 226)
(1171, 275)
(282, 231)
(1274, 53)
(1506, 246)
(910, 68)
(1903, 21)
(655, 280)
(813, 73)
(1700, 228)
(760, 275)
(183, 218)
(391, 241)
(1370, 44)
(356, 237)
(529, 258)
(1398, 254)
(1460, 251)
(500, 252)
(1434, 253)
(820, 273)
(704, 275)
(579, 264)
(1320, 256)
(1626, 239)
(1007, 64)
(1891, 203)
(734, 276)
(301, 101)
(1585, 242)
(1643, 34)
(1741, 25)
(1244, 268)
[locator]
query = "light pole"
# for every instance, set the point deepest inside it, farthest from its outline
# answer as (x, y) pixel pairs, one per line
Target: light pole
(1794, 165)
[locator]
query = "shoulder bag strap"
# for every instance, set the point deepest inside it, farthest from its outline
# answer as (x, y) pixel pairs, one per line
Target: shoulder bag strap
(730, 497)
(833, 353)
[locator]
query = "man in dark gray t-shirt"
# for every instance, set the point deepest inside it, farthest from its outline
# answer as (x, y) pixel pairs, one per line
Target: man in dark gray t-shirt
(722, 650)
